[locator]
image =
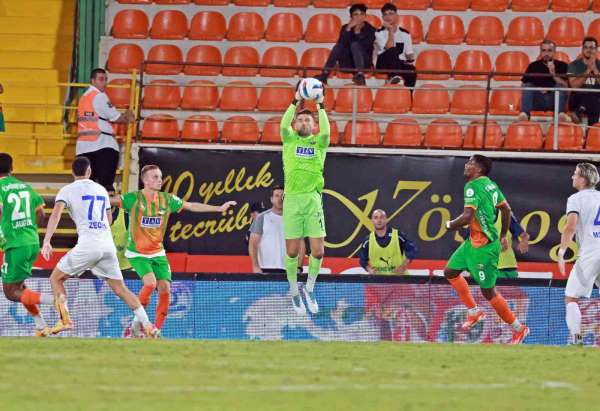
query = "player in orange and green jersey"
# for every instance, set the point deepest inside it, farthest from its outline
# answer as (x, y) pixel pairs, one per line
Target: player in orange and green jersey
(479, 253)
(149, 210)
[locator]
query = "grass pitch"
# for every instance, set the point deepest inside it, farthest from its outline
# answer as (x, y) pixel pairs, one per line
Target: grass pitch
(98, 374)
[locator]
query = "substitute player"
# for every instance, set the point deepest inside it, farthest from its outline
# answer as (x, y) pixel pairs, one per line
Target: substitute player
(89, 206)
(479, 253)
(22, 210)
(303, 163)
(149, 211)
(583, 219)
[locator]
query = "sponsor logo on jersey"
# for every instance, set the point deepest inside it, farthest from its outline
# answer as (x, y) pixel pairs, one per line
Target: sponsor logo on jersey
(470, 192)
(305, 152)
(151, 222)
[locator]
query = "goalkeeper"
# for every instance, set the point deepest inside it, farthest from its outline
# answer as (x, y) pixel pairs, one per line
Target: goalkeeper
(303, 162)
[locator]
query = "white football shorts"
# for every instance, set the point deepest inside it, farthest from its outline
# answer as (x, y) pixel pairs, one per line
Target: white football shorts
(584, 274)
(102, 261)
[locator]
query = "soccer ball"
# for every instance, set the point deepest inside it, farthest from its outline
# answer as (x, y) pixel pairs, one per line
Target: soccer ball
(310, 88)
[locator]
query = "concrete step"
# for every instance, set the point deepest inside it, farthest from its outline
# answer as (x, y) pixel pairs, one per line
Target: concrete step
(35, 42)
(35, 59)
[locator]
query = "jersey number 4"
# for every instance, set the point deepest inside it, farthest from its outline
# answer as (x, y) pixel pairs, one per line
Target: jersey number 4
(597, 219)
(20, 202)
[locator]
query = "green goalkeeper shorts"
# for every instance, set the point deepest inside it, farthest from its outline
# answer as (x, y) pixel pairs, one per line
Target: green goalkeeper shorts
(303, 216)
(18, 263)
(480, 262)
(159, 266)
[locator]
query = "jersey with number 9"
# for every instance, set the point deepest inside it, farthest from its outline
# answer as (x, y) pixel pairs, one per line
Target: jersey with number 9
(19, 202)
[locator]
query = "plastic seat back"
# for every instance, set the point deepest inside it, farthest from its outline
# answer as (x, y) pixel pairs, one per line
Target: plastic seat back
(130, 24)
(367, 133)
(525, 31)
(442, 133)
(524, 135)
(275, 96)
(566, 31)
(239, 96)
(571, 6)
(473, 61)
(455, 5)
(169, 25)
(202, 54)
(570, 137)
(413, 25)
(200, 128)
(240, 129)
(392, 99)
(279, 56)
(434, 60)
(474, 136)
(511, 62)
(167, 53)
(160, 127)
(161, 94)
(468, 100)
(243, 55)
(123, 58)
(529, 5)
(323, 28)
(208, 25)
(200, 95)
(505, 101)
(344, 99)
(431, 99)
(403, 132)
(286, 27)
(121, 95)
(246, 26)
(313, 57)
(489, 5)
(485, 30)
(446, 30)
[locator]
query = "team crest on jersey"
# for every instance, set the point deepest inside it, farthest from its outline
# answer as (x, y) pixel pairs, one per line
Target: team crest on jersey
(305, 152)
(470, 192)
(151, 222)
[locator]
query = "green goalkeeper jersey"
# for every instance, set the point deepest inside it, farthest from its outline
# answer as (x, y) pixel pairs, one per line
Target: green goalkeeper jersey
(483, 195)
(304, 157)
(19, 204)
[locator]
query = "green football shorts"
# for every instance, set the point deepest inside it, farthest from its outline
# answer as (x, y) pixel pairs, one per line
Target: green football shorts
(303, 216)
(18, 263)
(508, 273)
(157, 265)
(481, 262)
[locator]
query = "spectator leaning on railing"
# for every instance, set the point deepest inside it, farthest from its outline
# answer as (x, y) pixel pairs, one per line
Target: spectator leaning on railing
(584, 103)
(543, 100)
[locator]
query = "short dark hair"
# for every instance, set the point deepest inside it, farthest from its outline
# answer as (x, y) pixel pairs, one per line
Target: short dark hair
(358, 6)
(6, 162)
(80, 166)
(589, 38)
(304, 111)
(95, 73)
(484, 163)
(276, 187)
(389, 6)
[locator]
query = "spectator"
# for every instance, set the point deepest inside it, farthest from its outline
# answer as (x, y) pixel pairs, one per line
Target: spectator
(386, 250)
(584, 103)
(255, 209)
(544, 100)
(95, 136)
(354, 48)
(2, 129)
(394, 48)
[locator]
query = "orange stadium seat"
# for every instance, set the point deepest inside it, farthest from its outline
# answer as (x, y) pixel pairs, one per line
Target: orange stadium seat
(331, 4)
(255, 3)
(447, 29)
(524, 135)
(412, 4)
(529, 5)
(593, 138)
(413, 25)
(172, 1)
(119, 96)
(135, 1)
(596, 6)
(392, 98)
(329, 101)
(286, 27)
(239, 96)
(313, 57)
(434, 60)
(457, 5)
(270, 133)
(123, 58)
(511, 62)
(443, 133)
(240, 129)
(200, 95)
(202, 54)
(130, 24)
(594, 29)
(489, 5)
(374, 21)
(403, 132)
(570, 5)
(570, 137)
(562, 56)
(200, 128)
(431, 99)
(166, 53)
(275, 96)
(323, 28)
(473, 61)
(291, 3)
(246, 26)
(161, 94)
(566, 31)
(279, 56)
(160, 127)
(485, 30)
(212, 2)
(364, 99)
(467, 100)
(371, 4)
(505, 101)
(241, 55)
(474, 135)
(525, 31)
(208, 25)
(367, 133)
(334, 133)
(169, 25)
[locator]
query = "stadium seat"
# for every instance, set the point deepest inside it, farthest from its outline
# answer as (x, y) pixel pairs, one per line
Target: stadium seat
(431, 99)
(323, 28)
(123, 58)
(279, 56)
(212, 2)
(505, 101)
(161, 94)
(241, 55)
(334, 133)
(456, 5)
(202, 54)
(593, 138)
(329, 101)
(489, 5)
(200, 128)
(291, 3)
(434, 60)
(331, 4)
(529, 5)
(570, 5)
(208, 25)
(594, 29)
(511, 62)
(392, 98)
(524, 135)
(344, 99)
(275, 96)
(570, 137)
(239, 96)
(446, 30)
(240, 129)
(169, 25)
(474, 135)
(160, 127)
(371, 4)
(119, 96)
(566, 31)
(485, 30)
(525, 31)
(596, 6)
(172, 1)
(468, 100)
(246, 26)
(135, 1)
(286, 27)
(473, 61)
(374, 21)
(200, 95)
(412, 4)
(313, 57)
(562, 56)
(442, 133)
(413, 25)
(270, 132)
(130, 24)
(255, 3)
(367, 133)
(168, 53)
(403, 132)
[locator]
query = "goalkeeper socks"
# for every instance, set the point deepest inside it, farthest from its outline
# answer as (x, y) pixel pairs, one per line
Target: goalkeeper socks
(504, 312)
(29, 297)
(462, 289)
(314, 266)
(146, 294)
(162, 309)
(574, 318)
(291, 267)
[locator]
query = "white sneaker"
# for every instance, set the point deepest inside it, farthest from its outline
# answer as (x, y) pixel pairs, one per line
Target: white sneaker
(311, 301)
(137, 331)
(298, 305)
